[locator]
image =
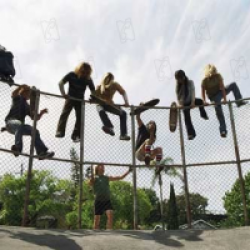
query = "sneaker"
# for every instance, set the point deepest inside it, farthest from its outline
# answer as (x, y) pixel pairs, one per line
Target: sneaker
(124, 137)
(46, 155)
(191, 137)
(76, 139)
(108, 130)
(59, 135)
(223, 134)
(16, 150)
(241, 103)
(147, 159)
(205, 117)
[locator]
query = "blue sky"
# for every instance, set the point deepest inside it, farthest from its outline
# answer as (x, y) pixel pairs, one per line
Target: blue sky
(142, 42)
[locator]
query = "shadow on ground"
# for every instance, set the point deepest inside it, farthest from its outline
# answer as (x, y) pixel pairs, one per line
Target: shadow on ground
(62, 240)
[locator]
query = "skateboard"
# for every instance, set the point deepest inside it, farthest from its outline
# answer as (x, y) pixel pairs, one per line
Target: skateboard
(33, 91)
(108, 107)
(145, 106)
(173, 117)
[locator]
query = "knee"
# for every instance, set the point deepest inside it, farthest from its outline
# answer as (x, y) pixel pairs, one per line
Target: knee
(159, 150)
(149, 142)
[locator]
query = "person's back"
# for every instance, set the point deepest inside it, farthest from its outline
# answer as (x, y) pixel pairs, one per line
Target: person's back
(212, 84)
(77, 85)
(19, 109)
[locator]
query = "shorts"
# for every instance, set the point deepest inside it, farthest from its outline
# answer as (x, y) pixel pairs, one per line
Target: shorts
(139, 155)
(102, 206)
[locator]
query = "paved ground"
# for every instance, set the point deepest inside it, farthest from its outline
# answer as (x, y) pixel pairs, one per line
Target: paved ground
(28, 238)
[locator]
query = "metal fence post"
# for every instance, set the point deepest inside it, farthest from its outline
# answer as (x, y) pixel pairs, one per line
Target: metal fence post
(237, 154)
(161, 202)
(81, 164)
(29, 174)
(183, 157)
(134, 169)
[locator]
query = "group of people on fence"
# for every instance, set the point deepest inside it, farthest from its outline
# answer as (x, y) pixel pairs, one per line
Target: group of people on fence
(212, 85)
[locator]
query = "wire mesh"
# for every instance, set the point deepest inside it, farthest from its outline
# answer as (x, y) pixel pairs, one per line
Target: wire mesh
(54, 195)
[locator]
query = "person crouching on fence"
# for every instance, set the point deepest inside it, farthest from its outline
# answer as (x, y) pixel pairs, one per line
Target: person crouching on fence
(100, 182)
(144, 143)
(106, 91)
(213, 86)
(78, 81)
(185, 92)
(15, 122)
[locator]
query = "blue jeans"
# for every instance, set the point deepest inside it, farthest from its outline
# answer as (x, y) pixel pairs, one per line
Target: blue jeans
(106, 121)
(18, 129)
(232, 87)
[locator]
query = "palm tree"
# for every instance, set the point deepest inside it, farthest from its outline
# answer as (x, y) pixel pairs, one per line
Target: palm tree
(165, 167)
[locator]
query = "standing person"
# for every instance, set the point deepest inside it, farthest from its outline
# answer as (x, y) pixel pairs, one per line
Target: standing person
(100, 182)
(78, 81)
(144, 142)
(213, 86)
(106, 91)
(185, 92)
(15, 122)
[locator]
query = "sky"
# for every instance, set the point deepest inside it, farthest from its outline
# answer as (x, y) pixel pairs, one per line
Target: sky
(142, 43)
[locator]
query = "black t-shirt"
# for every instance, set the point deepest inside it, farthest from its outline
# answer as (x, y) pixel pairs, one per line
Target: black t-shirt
(143, 134)
(77, 86)
(19, 109)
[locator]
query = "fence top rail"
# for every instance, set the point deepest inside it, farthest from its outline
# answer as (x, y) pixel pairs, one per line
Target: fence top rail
(135, 106)
(131, 165)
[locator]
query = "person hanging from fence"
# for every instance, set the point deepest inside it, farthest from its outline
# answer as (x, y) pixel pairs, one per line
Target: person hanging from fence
(106, 91)
(213, 86)
(185, 92)
(144, 143)
(15, 122)
(78, 81)
(100, 183)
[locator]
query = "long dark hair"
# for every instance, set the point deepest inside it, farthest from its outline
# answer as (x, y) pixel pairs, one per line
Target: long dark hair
(147, 126)
(178, 74)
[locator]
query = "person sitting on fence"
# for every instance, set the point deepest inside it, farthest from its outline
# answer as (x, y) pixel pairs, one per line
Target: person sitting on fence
(185, 92)
(213, 86)
(78, 81)
(144, 142)
(100, 182)
(106, 91)
(15, 122)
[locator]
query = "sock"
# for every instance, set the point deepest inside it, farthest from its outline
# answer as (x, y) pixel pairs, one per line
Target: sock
(158, 159)
(148, 150)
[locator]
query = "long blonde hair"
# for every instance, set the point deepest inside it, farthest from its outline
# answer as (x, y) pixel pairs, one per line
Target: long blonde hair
(107, 81)
(210, 70)
(83, 70)
(21, 90)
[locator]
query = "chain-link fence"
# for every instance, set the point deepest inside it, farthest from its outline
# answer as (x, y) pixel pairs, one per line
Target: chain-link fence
(210, 174)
